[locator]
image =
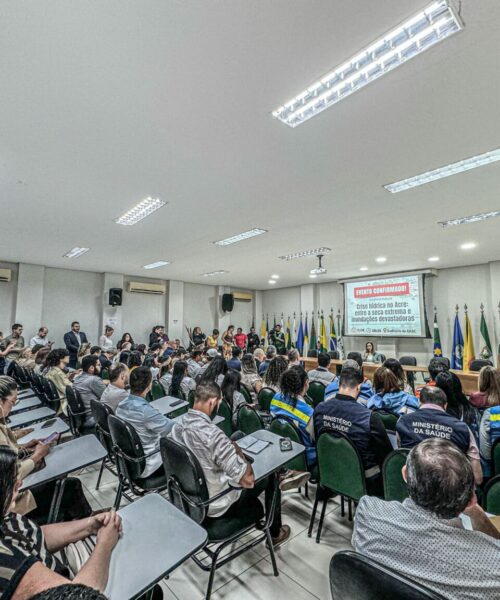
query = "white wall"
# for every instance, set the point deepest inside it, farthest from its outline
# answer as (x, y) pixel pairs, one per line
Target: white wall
(284, 300)
(141, 312)
(200, 307)
(8, 299)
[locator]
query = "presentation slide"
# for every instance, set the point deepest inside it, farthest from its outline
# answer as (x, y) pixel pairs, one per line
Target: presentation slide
(390, 307)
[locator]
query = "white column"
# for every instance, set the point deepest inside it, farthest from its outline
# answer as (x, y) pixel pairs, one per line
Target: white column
(175, 310)
(30, 282)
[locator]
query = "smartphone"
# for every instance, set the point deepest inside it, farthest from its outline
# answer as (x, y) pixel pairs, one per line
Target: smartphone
(176, 403)
(285, 445)
(48, 423)
(52, 438)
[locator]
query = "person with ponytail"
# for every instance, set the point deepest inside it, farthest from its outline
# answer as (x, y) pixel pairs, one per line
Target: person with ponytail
(231, 394)
(181, 383)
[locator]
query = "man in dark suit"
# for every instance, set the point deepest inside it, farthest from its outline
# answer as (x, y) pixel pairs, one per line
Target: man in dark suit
(73, 340)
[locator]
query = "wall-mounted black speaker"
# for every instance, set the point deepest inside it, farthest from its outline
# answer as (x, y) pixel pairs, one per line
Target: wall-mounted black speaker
(227, 302)
(115, 296)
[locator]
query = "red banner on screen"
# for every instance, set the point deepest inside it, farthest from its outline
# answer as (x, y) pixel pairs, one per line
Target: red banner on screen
(389, 289)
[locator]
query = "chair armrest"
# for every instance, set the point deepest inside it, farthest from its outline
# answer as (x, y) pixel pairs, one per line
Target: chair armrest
(117, 450)
(173, 482)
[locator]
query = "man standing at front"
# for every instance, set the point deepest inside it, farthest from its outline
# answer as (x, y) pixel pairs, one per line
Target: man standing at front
(73, 340)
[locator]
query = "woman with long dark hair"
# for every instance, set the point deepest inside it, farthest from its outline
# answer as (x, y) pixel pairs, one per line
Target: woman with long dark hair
(215, 371)
(274, 371)
(397, 368)
(181, 383)
(126, 343)
(231, 394)
(28, 561)
(458, 406)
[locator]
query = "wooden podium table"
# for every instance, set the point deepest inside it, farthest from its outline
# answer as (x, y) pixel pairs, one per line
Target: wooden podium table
(469, 379)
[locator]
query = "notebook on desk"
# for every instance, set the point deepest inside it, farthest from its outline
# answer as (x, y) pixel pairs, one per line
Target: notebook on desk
(252, 444)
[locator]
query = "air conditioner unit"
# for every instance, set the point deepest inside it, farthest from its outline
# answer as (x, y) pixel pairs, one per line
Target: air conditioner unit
(137, 287)
(243, 296)
(5, 275)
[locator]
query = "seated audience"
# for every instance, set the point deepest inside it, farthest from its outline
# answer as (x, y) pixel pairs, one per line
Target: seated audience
(249, 376)
(437, 365)
(241, 339)
(366, 391)
(198, 338)
(289, 404)
(40, 360)
(432, 420)
(423, 537)
(126, 343)
(134, 360)
(213, 340)
(273, 373)
(181, 383)
(106, 358)
(148, 421)
(89, 385)
(457, 403)
(29, 558)
(124, 356)
(293, 358)
(489, 431)
(234, 362)
(260, 357)
(216, 371)
(116, 391)
(362, 426)
(105, 340)
(57, 363)
(84, 350)
(489, 388)
(30, 456)
(26, 360)
(223, 462)
(396, 367)
(231, 393)
(194, 363)
(41, 339)
(322, 373)
(269, 355)
(388, 395)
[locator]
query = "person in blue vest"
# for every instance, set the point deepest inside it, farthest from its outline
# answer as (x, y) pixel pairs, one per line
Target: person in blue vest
(389, 396)
(366, 390)
(432, 420)
(343, 414)
(489, 431)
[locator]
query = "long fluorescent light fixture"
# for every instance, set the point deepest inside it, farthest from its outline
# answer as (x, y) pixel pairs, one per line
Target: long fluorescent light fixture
(76, 252)
(304, 253)
(471, 219)
(155, 265)
(240, 237)
(213, 273)
(458, 167)
(425, 29)
(140, 211)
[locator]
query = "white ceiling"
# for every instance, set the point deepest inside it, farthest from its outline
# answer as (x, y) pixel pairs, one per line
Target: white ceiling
(105, 103)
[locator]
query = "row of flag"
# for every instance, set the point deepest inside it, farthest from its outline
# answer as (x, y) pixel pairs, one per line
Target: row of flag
(320, 337)
(463, 352)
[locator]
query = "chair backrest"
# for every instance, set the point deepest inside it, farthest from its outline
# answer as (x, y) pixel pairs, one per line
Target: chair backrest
(353, 575)
(316, 392)
(388, 418)
(51, 393)
(248, 420)
(379, 357)
(104, 374)
(265, 397)
(495, 457)
(157, 390)
(335, 354)
(479, 363)
(179, 394)
(183, 469)
(409, 361)
(127, 445)
(312, 354)
(225, 412)
(38, 387)
(75, 401)
(491, 500)
(340, 466)
(101, 412)
(20, 375)
(283, 427)
(394, 484)
(246, 393)
(190, 398)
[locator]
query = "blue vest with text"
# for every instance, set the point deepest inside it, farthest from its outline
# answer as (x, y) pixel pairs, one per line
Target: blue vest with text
(348, 417)
(494, 424)
(424, 423)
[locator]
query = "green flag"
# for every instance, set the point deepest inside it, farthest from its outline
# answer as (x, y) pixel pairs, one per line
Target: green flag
(437, 338)
(485, 350)
(313, 342)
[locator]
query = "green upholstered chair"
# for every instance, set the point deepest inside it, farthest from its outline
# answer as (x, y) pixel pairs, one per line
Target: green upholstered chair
(388, 419)
(248, 420)
(157, 390)
(225, 412)
(265, 397)
(495, 457)
(283, 428)
(246, 393)
(316, 392)
(491, 499)
(340, 471)
(394, 484)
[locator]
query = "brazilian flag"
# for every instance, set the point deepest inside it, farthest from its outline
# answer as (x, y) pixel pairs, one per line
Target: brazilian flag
(438, 351)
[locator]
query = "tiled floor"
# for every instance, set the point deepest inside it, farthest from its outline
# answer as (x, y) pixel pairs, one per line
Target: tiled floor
(303, 564)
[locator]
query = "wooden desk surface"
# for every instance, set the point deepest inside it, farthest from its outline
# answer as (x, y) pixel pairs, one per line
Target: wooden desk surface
(469, 379)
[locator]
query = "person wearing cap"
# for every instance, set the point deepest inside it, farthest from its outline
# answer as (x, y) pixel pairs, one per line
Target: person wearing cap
(211, 354)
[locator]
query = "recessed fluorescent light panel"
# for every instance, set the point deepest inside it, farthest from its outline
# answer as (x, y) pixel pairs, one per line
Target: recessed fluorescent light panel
(381, 259)
(425, 29)
(468, 246)
(240, 237)
(76, 252)
(433, 258)
(213, 273)
(272, 281)
(471, 219)
(363, 268)
(155, 265)
(140, 211)
(458, 167)
(305, 253)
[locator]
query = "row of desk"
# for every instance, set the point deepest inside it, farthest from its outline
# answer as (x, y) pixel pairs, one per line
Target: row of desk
(469, 379)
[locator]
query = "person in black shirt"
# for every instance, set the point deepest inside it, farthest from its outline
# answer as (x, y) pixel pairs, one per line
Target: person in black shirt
(253, 340)
(277, 338)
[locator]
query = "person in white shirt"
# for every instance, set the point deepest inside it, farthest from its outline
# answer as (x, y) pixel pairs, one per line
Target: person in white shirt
(41, 339)
(105, 340)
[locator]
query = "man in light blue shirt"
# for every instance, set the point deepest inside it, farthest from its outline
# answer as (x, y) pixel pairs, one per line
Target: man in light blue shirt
(148, 422)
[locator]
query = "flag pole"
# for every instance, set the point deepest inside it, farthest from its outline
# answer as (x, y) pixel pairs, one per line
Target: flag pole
(340, 342)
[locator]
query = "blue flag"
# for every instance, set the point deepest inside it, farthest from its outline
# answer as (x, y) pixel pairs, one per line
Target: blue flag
(458, 346)
(300, 338)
